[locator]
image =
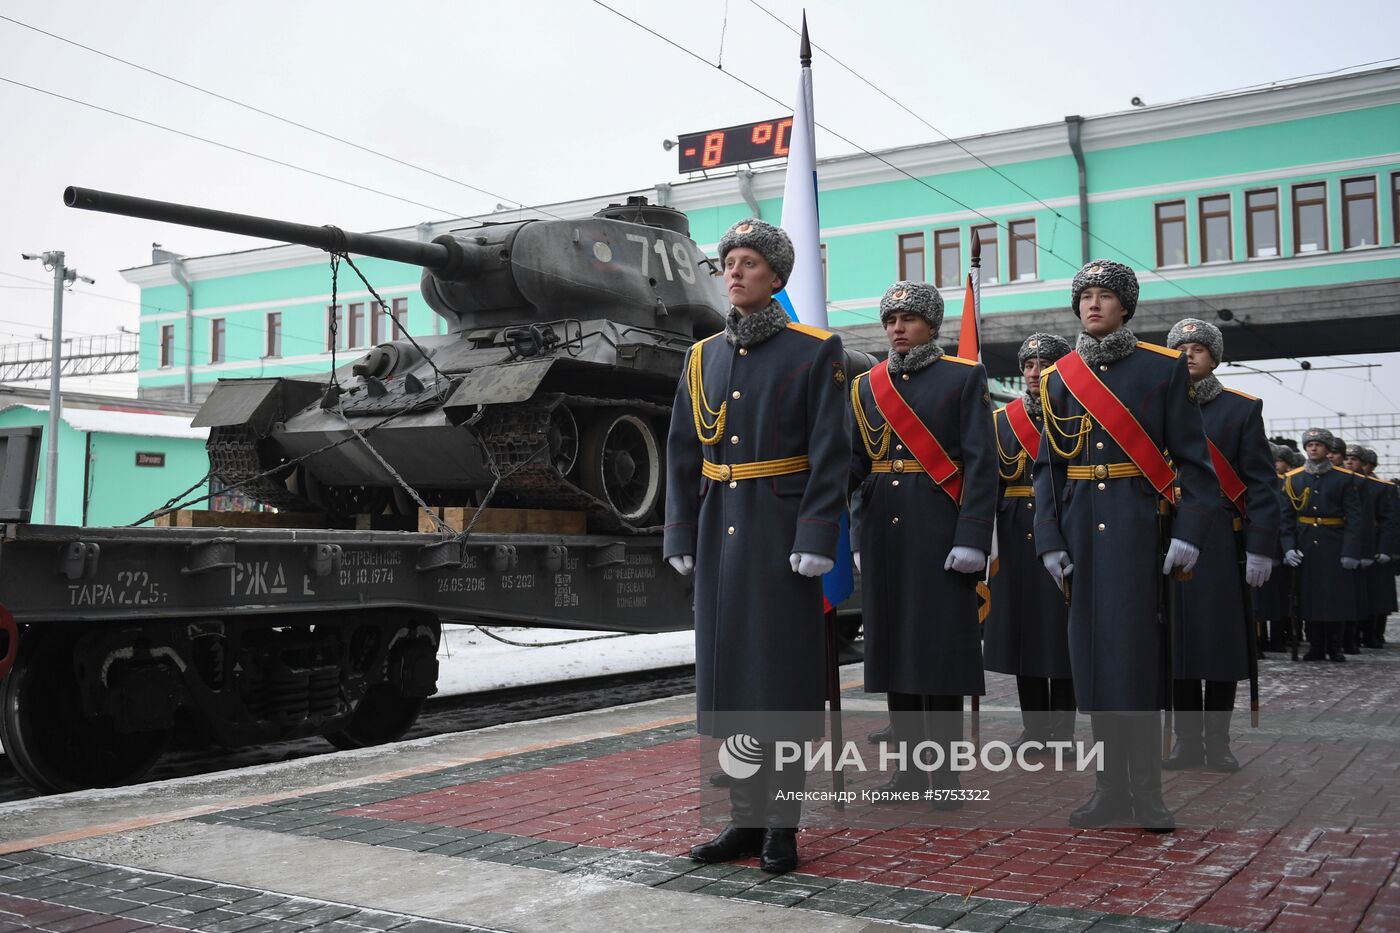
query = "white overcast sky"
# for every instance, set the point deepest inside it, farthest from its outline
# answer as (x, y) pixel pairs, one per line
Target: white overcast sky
(543, 100)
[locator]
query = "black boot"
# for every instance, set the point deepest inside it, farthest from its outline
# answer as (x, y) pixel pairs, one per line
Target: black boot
(880, 735)
(744, 834)
(1110, 803)
(1334, 641)
(1188, 747)
(1351, 642)
(906, 726)
(784, 801)
(1317, 642)
(1371, 636)
(944, 715)
(1144, 742)
(779, 852)
(1220, 704)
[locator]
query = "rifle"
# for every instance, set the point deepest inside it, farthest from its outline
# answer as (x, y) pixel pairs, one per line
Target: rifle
(1294, 623)
(833, 693)
(1251, 629)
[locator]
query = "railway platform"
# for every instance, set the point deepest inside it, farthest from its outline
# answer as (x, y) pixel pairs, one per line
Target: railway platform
(582, 822)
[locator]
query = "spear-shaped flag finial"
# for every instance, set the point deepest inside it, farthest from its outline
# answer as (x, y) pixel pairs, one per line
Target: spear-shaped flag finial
(806, 53)
(976, 250)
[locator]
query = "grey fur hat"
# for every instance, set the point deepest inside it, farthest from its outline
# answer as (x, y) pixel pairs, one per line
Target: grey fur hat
(1369, 457)
(1105, 273)
(770, 242)
(1281, 452)
(1337, 446)
(1321, 435)
(1048, 347)
(1355, 450)
(1194, 330)
(921, 298)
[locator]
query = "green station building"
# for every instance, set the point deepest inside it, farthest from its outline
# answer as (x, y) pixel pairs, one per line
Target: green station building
(1274, 209)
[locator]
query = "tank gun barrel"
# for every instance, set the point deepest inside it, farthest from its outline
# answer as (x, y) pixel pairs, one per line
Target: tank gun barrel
(435, 256)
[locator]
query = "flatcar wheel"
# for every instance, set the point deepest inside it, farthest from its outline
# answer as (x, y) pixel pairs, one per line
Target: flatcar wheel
(620, 463)
(49, 741)
(383, 715)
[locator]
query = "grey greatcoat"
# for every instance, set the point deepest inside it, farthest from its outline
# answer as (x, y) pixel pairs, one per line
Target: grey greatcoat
(1208, 631)
(1326, 592)
(759, 641)
(1110, 529)
(1027, 630)
(921, 630)
(1380, 499)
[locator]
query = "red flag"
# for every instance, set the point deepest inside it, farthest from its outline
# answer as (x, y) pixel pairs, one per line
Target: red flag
(969, 348)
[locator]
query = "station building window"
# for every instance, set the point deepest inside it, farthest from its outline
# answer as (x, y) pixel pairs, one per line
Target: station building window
(947, 258)
(381, 326)
(911, 257)
(1022, 234)
(988, 273)
(355, 324)
(167, 345)
(1215, 229)
(274, 333)
(335, 339)
(1395, 203)
(1358, 212)
(217, 339)
(1261, 222)
(1171, 233)
(1310, 218)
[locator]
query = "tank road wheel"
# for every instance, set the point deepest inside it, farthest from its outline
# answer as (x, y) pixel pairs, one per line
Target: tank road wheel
(620, 463)
(563, 439)
(382, 715)
(49, 741)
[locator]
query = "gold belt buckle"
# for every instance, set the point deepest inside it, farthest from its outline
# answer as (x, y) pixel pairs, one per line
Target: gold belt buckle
(1100, 471)
(897, 466)
(724, 472)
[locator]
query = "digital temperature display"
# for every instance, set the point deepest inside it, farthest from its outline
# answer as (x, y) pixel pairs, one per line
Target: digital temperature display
(734, 145)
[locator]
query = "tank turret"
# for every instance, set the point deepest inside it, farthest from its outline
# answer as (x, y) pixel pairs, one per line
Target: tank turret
(554, 382)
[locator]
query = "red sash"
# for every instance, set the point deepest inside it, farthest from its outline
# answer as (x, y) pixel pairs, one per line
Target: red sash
(1230, 482)
(922, 444)
(1023, 427)
(1120, 424)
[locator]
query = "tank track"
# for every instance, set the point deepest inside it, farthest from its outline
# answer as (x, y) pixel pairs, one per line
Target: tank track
(233, 458)
(513, 433)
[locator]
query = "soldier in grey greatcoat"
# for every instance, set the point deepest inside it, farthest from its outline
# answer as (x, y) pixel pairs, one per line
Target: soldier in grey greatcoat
(757, 461)
(1323, 540)
(1379, 498)
(1100, 533)
(1210, 642)
(1347, 457)
(920, 552)
(1027, 629)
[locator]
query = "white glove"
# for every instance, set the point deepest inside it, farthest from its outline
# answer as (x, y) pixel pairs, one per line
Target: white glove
(965, 560)
(1257, 569)
(1366, 562)
(683, 564)
(855, 559)
(1382, 558)
(1181, 555)
(1058, 565)
(1350, 563)
(1293, 558)
(810, 565)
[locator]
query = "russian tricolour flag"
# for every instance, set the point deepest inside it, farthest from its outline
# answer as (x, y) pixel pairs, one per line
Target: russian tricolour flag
(804, 297)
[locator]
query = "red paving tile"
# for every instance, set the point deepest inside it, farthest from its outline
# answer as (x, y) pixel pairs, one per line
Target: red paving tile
(1323, 879)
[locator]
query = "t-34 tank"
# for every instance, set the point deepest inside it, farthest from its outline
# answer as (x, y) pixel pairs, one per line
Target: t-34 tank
(565, 342)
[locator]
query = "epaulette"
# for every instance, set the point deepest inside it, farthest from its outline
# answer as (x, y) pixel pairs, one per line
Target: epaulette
(998, 411)
(809, 330)
(959, 359)
(707, 339)
(1295, 470)
(1157, 348)
(1383, 482)
(1049, 369)
(1343, 470)
(1252, 398)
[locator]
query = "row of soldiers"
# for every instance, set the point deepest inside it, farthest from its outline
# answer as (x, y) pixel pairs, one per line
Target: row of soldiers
(1104, 485)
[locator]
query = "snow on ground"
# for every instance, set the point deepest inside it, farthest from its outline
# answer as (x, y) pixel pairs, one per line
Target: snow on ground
(470, 661)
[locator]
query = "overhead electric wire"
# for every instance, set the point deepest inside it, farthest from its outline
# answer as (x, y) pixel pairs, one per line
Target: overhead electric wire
(273, 116)
(232, 148)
